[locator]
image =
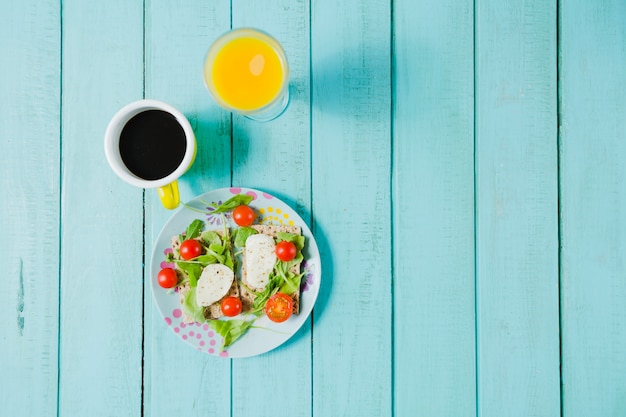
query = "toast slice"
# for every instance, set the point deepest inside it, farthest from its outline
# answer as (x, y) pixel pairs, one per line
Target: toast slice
(247, 297)
(213, 311)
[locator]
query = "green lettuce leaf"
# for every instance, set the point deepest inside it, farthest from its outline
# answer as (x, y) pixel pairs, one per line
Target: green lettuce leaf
(242, 234)
(211, 238)
(192, 269)
(194, 229)
(231, 330)
(191, 308)
(232, 203)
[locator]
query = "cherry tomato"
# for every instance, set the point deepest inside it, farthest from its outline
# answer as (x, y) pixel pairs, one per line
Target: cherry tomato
(190, 248)
(285, 251)
(167, 278)
(243, 215)
(279, 307)
(231, 306)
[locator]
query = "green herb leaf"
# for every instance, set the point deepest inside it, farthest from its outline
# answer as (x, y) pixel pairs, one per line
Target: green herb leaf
(261, 297)
(220, 258)
(211, 238)
(291, 283)
(206, 259)
(297, 240)
(232, 203)
(231, 330)
(191, 308)
(194, 229)
(228, 261)
(297, 260)
(243, 233)
(219, 249)
(192, 269)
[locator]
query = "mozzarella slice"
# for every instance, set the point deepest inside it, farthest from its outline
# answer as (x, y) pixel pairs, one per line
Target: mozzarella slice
(260, 259)
(214, 283)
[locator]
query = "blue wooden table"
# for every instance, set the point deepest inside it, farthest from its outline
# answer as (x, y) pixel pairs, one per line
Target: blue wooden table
(462, 165)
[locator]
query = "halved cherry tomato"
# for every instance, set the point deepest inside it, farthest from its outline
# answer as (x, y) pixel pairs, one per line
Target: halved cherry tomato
(285, 251)
(279, 307)
(190, 248)
(167, 278)
(243, 215)
(231, 306)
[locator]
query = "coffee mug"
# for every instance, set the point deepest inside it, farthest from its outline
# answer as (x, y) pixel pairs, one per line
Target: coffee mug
(150, 144)
(246, 72)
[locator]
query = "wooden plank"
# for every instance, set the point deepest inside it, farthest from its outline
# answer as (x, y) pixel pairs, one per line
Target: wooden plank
(102, 227)
(592, 58)
(351, 154)
(433, 195)
(30, 73)
(178, 34)
(275, 157)
(516, 198)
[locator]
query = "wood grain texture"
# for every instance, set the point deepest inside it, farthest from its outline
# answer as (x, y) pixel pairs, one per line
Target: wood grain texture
(592, 59)
(468, 207)
(275, 157)
(102, 226)
(516, 203)
(177, 36)
(30, 74)
(433, 209)
(351, 154)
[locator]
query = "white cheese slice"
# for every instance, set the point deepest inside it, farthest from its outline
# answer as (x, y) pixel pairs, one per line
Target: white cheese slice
(260, 259)
(214, 283)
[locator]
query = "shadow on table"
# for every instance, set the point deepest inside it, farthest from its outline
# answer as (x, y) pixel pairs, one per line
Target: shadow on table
(360, 82)
(212, 165)
(326, 280)
(354, 83)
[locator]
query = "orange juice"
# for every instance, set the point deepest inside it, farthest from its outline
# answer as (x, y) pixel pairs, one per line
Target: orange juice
(246, 71)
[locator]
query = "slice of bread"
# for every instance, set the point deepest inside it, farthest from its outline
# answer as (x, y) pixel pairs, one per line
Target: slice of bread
(214, 311)
(247, 297)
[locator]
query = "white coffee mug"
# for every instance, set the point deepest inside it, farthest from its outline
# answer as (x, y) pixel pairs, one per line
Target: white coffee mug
(150, 144)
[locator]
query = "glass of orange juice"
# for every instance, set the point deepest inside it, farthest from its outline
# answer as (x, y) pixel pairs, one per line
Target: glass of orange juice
(246, 72)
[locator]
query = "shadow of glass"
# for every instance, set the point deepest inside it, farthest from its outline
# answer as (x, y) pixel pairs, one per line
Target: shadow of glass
(212, 166)
(352, 84)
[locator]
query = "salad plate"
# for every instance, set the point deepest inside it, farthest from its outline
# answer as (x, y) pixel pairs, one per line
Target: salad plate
(264, 335)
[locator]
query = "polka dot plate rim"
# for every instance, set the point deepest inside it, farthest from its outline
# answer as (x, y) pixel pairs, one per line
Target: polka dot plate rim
(266, 335)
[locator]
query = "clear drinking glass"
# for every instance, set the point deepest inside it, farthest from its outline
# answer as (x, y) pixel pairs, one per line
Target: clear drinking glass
(246, 72)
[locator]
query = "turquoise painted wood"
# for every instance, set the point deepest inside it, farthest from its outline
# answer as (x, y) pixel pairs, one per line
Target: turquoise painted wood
(433, 209)
(517, 307)
(459, 162)
(30, 139)
(351, 154)
(100, 335)
(592, 97)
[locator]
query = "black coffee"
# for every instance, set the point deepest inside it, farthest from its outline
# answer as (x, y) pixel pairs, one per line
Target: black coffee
(152, 144)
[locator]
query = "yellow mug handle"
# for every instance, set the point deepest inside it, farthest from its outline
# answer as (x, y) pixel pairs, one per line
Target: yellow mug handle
(169, 195)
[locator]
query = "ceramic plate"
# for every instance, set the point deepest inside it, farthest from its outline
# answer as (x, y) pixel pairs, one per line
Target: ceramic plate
(266, 335)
